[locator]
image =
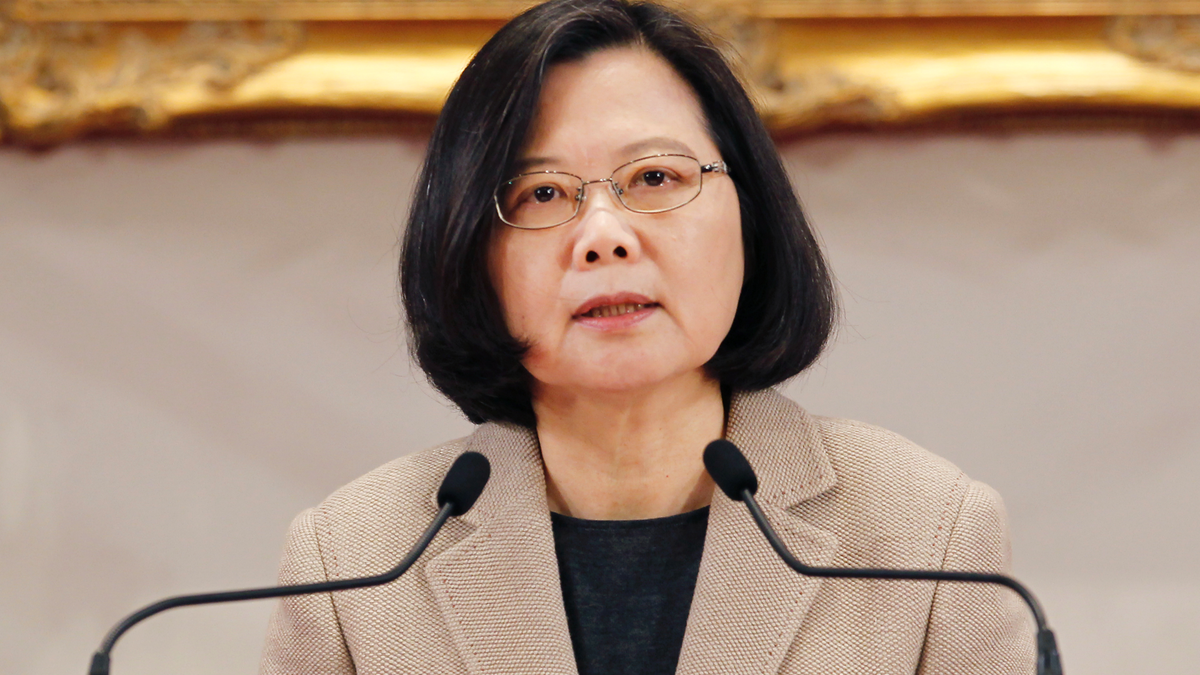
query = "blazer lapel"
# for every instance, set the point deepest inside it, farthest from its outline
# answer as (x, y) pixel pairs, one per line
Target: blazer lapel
(498, 588)
(748, 604)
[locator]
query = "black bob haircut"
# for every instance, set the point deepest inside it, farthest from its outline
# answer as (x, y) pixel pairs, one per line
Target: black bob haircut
(457, 331)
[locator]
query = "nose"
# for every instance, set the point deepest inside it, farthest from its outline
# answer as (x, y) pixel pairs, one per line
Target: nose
(604, 233)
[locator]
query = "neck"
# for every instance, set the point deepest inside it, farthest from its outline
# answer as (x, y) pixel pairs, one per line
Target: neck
(629, 456)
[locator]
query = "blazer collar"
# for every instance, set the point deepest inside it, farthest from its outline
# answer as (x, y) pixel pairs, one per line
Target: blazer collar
(498, 588)
(783, 444)
(748, 605)
(518, 474)
(499, 591)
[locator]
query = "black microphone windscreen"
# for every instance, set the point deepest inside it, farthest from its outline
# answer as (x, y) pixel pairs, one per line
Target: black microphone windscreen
(729, 469)
(464, 482)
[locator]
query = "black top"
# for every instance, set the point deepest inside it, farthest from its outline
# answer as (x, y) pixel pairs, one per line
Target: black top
(627, 588)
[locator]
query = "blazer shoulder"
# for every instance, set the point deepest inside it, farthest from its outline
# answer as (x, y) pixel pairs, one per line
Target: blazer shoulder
(412, 478)
(382, 508)
(879, 459)
(422, 466)
(898, 492)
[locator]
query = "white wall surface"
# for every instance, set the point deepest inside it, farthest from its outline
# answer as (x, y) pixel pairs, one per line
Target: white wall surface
(199, 340)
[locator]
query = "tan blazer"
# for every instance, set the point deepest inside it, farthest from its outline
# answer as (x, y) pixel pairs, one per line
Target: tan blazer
(485, 597)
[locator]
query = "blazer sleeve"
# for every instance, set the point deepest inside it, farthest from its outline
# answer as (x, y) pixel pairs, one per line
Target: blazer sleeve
(978, 629)
(304, 635)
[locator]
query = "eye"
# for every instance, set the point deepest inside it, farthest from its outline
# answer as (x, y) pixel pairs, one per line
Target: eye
(653, 178)
(543, 193)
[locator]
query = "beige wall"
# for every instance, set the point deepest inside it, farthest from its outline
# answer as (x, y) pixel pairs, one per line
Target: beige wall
(197, 341)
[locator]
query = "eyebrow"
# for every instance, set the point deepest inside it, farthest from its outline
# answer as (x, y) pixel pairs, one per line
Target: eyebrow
(629, 152)
(656, 143)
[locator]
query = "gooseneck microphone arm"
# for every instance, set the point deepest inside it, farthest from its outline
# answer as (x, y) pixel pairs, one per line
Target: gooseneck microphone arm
(100, 660)
(1048, 661)
(461, 487)
(868, 573)
(732, 473)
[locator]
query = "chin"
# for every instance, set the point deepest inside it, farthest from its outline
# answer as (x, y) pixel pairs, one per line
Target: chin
(619, 385)
(616, 368)
(614, 377)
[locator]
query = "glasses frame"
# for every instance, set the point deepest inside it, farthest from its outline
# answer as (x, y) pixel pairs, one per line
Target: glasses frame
(713, 167)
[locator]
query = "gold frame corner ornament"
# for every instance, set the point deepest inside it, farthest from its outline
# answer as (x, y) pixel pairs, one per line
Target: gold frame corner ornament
(63, 80)
(72, 68)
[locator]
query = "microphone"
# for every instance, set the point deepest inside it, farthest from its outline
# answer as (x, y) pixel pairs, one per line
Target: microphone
(460, 488)
(731, 471)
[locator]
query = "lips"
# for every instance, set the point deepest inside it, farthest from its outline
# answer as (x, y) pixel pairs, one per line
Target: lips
(614, 310)
(606, 306)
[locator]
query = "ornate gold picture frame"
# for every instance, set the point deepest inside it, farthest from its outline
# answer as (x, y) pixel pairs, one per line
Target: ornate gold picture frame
(71, 68)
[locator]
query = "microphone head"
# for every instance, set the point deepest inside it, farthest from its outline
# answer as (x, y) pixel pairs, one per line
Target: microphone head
(464, 482)
(729, 469)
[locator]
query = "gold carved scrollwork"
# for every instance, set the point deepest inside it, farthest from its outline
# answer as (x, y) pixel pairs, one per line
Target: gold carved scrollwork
(1168, 41)
(805, 100)
(60, 79)
(72, 67)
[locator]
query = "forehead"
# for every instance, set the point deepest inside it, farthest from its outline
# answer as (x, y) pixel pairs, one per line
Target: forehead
(612, 106)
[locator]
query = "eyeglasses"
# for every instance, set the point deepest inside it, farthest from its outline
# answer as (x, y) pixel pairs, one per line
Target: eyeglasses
(544, 199)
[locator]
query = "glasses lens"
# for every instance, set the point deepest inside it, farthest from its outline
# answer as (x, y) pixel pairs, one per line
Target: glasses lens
(537, 200)
(658, 183)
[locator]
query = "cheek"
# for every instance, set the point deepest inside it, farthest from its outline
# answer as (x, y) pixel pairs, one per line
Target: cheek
(727, 288)
(716, 273)
(507, 278)
(523, 281)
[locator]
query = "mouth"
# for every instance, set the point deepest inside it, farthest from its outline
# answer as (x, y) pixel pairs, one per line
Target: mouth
(609, 306)
(605, 311)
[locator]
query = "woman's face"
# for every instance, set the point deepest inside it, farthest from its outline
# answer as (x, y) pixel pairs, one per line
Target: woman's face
(614, 300)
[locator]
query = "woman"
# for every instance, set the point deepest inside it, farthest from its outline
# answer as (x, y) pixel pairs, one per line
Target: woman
(606, 267)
